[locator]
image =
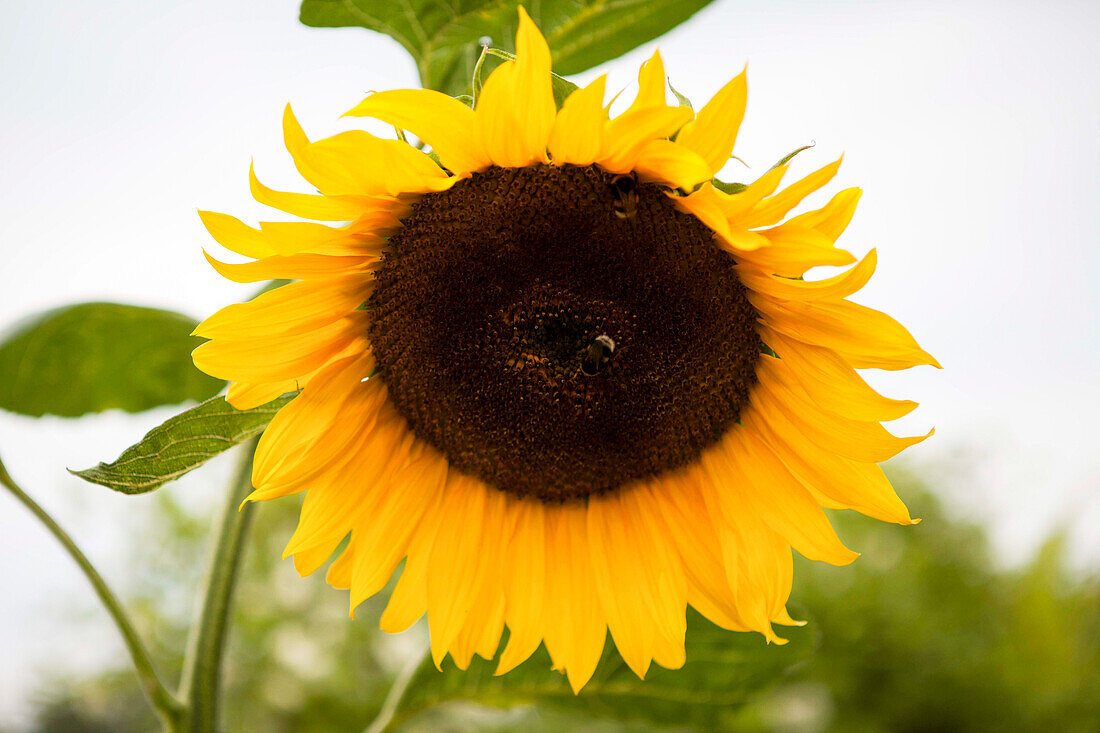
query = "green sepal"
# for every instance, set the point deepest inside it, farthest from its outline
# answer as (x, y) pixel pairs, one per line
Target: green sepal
(787, 158)
(728, 187)
(684, 101)
(182, 443)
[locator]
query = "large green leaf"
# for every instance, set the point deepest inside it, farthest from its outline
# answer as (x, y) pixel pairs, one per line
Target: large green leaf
(182, 443)
(97, 356)
(443, 36)
(723, 668)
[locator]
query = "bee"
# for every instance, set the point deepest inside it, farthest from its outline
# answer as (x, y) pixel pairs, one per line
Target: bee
(625, 188)
(597, 356)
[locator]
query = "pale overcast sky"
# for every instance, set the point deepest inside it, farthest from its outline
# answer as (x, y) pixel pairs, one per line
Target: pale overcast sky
(972, 127)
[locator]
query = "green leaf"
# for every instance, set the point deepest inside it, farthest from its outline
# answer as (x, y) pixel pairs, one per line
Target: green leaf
(722, 671)
(98, 356)
(444, 41)
(182, 443)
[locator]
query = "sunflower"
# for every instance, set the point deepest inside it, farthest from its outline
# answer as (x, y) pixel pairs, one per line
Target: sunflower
(550, 367)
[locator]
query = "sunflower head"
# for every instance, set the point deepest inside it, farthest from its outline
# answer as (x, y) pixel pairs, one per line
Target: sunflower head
(568, 381)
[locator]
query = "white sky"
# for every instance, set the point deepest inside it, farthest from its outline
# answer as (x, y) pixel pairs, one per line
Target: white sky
(971, 126)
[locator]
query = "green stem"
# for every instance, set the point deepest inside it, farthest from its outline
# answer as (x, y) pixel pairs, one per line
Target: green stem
(382, 722)
(202, 666)
(166, 704)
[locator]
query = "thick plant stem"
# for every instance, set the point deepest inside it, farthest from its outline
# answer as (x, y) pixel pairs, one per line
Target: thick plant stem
(202, 666)
(166, 705)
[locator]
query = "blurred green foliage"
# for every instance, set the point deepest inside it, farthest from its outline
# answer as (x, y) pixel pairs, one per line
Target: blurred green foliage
(920, 634)
(91, 357)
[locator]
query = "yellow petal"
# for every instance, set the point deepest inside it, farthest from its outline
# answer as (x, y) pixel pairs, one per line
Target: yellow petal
(501, 134)
(358, 163)
(664, 590)
(331, 456)
(628, 133)
(785, 619)
(576, 639)
(651, 84)
(297, 144)
(832, 218)
(792, 250)
(834, 288)
(457, 568)
(524, 581)
(293, 267)
(735, 206)
(482, 628)
(832, 383)
(333, 506)
(276, 359)
(373, 166)
(236, 236)
(756, 558)
(308, 561)
(671, 164)
(619, 580)
(859, 440)
(775, 208)
(339, 572)
(383, 536)
(439, 120)
(409, 600)
(713, 131)
(706, 204)
(533, 94)
(294, 237)
(580, 126)
(516, 108)
(780, 500)
(301, 424)
(246, 395)
(337, 389)
(680, 506)
(853, 485)
(866, 338)
(310, 206)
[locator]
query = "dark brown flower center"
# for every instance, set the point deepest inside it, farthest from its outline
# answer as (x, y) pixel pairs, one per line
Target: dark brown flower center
(557, 331)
